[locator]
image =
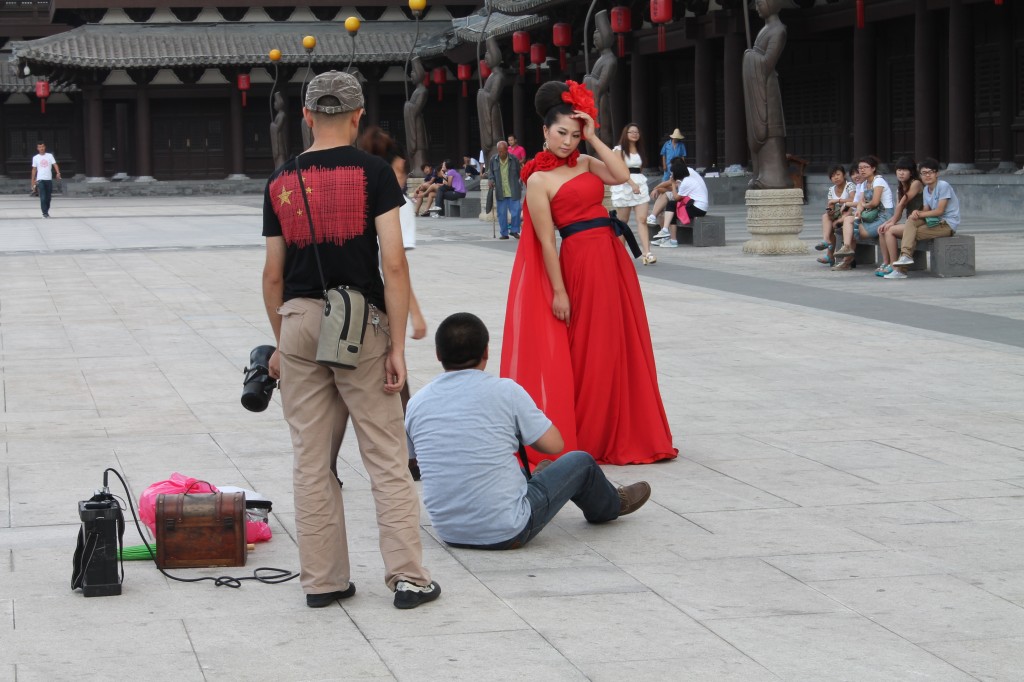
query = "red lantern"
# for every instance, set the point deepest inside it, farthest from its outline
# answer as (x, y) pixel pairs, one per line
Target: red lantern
(538, 55)
(243, 85)
(521, 45)
(860, 13)
(561, 36)
(42, 92)
(440, 77)
(485, 70)
(465, 73)
(661, 14)
(622, 23)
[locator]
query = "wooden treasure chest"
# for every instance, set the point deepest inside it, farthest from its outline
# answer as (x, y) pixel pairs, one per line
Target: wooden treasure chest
(200, 530)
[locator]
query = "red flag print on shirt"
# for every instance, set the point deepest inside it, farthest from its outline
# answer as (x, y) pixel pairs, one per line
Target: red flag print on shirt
(337, 198)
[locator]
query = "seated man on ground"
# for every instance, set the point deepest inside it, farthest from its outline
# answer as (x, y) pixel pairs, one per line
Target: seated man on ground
(939, 218)
(464, 429)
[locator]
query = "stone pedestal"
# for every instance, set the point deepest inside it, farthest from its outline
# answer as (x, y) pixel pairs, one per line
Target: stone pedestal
(775, 218)
(485, 186)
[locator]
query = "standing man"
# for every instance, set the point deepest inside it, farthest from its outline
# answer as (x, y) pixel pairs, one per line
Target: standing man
(515, 149)
(504, 172)
(673, 148)
(43, 167)
(354, 200)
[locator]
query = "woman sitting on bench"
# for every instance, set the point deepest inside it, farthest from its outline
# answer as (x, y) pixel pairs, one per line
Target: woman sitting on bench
(871, 212)
(939, 217)
(910, 198)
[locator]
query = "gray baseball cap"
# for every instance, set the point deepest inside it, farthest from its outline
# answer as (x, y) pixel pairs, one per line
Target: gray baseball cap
(338, 84)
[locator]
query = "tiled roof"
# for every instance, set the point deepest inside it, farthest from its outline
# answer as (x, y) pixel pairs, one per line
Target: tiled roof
(521, 7)
(111, 46)
(499, 25)
(11, 80)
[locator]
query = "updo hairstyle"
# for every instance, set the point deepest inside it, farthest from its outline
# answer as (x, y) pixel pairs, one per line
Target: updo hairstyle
(548, 102)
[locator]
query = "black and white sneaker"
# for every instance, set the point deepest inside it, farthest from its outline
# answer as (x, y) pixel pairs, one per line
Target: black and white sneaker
(319, 601)
(409, 595)
(434, 209)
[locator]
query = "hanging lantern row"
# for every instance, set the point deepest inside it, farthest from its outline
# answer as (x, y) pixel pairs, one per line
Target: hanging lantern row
(42, 92)
(243, 85)
(622, 23)
(465, 72)
(661, 14)
(440, 77)
(561, 36)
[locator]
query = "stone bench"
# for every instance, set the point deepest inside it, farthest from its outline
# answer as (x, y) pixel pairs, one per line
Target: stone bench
(466, 207)
(707, 230)
(949, 256)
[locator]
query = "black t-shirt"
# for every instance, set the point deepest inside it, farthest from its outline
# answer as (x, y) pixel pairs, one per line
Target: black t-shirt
(347, 189)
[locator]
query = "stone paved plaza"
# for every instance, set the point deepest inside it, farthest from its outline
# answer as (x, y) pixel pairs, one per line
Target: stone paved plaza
(848, 503)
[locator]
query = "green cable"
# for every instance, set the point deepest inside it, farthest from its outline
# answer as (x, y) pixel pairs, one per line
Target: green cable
(137, 553)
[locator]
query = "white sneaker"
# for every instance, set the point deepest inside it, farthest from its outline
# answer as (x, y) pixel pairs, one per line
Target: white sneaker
(434, 209)
(669, 244)
(663, 234)
(896, 274)
(652, 219)
(904, 260)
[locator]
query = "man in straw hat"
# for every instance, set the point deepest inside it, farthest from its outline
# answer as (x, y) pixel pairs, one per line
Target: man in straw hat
(354, 199)
(674, 148)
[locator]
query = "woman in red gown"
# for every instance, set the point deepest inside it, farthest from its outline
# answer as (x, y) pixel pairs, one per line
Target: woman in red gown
(576, 334)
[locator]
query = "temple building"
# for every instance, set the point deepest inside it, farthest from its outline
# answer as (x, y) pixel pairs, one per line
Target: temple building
(141, 90)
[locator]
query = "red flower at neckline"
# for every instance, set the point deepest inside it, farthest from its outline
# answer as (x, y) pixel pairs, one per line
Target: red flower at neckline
(546, 161)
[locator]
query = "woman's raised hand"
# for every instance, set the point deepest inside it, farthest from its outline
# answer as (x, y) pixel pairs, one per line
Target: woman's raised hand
(589, 129)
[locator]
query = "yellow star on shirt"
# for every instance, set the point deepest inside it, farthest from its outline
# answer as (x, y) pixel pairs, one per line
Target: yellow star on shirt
(309, 191)
(285, 197)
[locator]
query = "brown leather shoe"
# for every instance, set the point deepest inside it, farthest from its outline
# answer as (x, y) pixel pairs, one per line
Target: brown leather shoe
(633, 496)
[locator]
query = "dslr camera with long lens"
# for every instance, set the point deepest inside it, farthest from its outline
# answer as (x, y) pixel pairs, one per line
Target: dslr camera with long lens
(258, 386)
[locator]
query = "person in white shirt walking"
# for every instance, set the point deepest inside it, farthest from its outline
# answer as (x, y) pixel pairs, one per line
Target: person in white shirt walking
(43, 168)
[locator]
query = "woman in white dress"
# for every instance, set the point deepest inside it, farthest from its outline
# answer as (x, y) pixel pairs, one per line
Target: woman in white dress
(633, 193)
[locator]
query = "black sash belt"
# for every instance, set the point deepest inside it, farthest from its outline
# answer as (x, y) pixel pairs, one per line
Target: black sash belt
(620, 228)
(636, 170)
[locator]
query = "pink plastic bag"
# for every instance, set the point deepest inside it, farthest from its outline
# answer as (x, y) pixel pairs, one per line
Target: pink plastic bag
(255, 531)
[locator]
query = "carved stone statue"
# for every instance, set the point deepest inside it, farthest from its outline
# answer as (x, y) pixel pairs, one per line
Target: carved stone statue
(415, 126)
(766, 127)
(488, 101)
(279, 131)
(600, 78)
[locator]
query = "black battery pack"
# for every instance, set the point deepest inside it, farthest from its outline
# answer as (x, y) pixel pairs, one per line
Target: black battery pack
(96, 565)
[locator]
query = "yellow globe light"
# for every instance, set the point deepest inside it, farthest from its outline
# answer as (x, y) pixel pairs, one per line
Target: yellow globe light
(352, 24)
(275, 55)
(309, 42)
(417, 5)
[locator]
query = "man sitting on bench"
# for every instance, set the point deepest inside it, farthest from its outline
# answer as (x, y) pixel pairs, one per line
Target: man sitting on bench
(690, 197)
(464, 428)
(939, 218)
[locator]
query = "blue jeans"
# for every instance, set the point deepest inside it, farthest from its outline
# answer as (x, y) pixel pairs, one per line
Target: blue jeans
(505, 208)
(45, 188)
(574, 476)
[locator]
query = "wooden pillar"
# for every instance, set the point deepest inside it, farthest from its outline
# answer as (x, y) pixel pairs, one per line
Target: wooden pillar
(620, 102)
(237, 143)
(1004, 133)
(93, 135)
(372, 89)
(704, 96)
(143, 135)
(736, 148)
(462, 137)
(926, 92)
(3, 137)
(961, 87)
(121, 143)
(864, 92)
(518, 111)
(638, 104)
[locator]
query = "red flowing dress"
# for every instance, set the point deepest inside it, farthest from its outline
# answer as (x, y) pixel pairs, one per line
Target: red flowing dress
(596, 379)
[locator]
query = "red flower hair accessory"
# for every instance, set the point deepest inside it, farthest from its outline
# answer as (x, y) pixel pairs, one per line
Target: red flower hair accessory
(580, 98)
